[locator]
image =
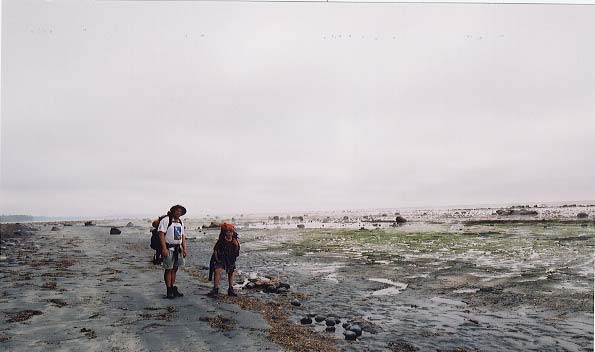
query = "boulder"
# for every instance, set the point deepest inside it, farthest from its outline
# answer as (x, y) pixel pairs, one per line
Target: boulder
(89, 223)
(301, 226)
(115, 231)
(356, 329)
(306, 320)
(350, 335)
(296, 303)
(330, 328)
(400, 220)
(330, 322)
(319, 318)
(54, 228)
(582, 215)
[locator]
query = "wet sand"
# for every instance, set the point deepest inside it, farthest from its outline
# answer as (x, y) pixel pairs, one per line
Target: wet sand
(428, 285)
(81, 289)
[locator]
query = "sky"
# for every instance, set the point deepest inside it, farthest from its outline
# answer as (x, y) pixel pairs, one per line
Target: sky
(113, 108)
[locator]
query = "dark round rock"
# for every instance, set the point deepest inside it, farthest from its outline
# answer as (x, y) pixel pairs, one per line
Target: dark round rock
(346, 326)
(319, 318)
(296, 303)
(350, 335)
(287, 286)
(114, 231)
(330, 328)
(54, 228)
(337, 321)
(306, 320)
(330, 322)
(356, 329)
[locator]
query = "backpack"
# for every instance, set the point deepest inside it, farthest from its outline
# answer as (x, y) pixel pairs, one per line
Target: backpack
(155, 240)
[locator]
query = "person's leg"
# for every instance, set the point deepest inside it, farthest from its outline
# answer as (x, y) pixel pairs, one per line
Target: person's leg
(230, 280)
(167, 277)
(173, 275)
(216, 279)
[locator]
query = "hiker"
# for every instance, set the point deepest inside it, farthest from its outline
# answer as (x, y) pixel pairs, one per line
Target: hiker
(225, 253)
(156, 241)
(173, 247)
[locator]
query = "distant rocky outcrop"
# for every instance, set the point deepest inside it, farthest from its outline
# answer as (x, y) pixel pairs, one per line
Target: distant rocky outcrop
(513, 212)
(115, 231)
(89, 223)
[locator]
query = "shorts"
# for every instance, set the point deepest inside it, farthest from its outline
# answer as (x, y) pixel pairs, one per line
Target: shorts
(172, 261)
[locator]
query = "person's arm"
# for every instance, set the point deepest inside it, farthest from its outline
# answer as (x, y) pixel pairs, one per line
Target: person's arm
(162, 230)
(184, 252)
(216, 251)
(163, 246)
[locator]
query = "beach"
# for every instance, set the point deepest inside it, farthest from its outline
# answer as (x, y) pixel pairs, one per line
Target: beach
(447, 280)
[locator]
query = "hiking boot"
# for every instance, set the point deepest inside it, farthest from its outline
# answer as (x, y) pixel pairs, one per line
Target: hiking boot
(231, 292)
(176, 292)
(170, 293)
(214, 292)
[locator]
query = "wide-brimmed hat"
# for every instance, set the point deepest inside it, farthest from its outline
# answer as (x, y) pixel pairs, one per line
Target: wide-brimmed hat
(178, 206)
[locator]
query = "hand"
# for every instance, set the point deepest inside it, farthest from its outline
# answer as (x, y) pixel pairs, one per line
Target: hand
(184, 253)
(164, 252)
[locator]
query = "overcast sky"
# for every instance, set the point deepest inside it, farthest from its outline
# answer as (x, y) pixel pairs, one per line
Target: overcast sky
(130, 107)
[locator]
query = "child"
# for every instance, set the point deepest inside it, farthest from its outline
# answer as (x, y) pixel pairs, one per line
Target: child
(225, 253)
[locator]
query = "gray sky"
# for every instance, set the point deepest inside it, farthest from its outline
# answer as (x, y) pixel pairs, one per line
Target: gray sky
(129, 107)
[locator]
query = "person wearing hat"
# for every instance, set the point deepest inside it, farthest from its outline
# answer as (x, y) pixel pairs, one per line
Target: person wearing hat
(225, 253)
(173, 245)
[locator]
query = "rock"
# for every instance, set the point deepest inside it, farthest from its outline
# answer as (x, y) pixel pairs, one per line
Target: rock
(346, 326)
(319, 318)
(330, 322)
(114, 231)
(330, 328)
(54, 228)
(350, 335)
(356, 329)
(306, 320)
(296, 303)
(89, 223)
(250, 285)
(582, 215)
(281, 290)
(129, 224)
(284, 285)
(301, 226)
(400, 220)
(337, 321)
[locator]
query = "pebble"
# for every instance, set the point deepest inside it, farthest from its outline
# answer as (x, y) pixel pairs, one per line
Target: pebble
(346, 326)
(296, 303)
(319, 318)
(330, 328)
(330, 322)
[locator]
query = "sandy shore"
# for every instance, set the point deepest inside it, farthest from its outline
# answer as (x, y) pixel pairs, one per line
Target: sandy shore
(81, 289)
